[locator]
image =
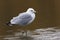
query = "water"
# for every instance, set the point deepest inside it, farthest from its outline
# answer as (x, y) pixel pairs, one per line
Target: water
(38, 34)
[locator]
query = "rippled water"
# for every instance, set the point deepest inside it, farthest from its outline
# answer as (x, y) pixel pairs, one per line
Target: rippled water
(38, 34)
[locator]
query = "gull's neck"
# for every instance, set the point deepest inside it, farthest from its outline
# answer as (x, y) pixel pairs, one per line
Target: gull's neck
(31, 13)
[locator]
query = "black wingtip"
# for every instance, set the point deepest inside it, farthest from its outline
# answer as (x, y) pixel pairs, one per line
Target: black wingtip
(8, 24)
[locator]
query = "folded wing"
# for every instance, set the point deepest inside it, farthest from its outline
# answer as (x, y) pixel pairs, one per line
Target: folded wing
(21, 19)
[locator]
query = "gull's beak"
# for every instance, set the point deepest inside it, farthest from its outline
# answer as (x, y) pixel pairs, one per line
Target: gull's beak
(34, 11)
(9, 24)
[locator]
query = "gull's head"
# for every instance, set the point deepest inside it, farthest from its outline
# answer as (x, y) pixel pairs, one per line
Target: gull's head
(31, 10)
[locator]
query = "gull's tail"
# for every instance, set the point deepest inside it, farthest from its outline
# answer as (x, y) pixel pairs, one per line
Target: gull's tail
(9, 24)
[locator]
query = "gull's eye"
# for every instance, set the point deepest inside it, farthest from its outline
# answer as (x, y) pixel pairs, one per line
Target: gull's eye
(32, 10)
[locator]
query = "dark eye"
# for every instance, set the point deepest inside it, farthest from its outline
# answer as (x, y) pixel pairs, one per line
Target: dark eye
(31, 10)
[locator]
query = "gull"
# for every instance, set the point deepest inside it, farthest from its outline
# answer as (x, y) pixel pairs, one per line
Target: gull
(23, 18)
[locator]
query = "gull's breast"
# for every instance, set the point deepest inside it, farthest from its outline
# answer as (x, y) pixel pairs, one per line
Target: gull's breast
(33, 17)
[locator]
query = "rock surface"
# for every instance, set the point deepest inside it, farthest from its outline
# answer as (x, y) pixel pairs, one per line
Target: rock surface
(38, 34)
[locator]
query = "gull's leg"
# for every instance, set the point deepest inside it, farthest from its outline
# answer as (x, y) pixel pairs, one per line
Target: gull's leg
(22, 33)
(26, 33)
(26, 36)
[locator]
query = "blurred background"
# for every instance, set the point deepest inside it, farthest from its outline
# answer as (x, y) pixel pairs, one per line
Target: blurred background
(48, 13)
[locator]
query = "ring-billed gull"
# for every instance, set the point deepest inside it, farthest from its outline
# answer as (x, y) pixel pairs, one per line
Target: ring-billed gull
(24, 18)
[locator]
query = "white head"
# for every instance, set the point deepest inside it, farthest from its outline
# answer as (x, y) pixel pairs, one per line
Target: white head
(31, 10)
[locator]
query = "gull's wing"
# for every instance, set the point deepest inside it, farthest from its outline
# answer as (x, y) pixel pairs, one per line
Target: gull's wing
(22, 19)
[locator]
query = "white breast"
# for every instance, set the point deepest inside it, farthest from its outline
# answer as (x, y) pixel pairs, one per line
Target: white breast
(33, 17)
